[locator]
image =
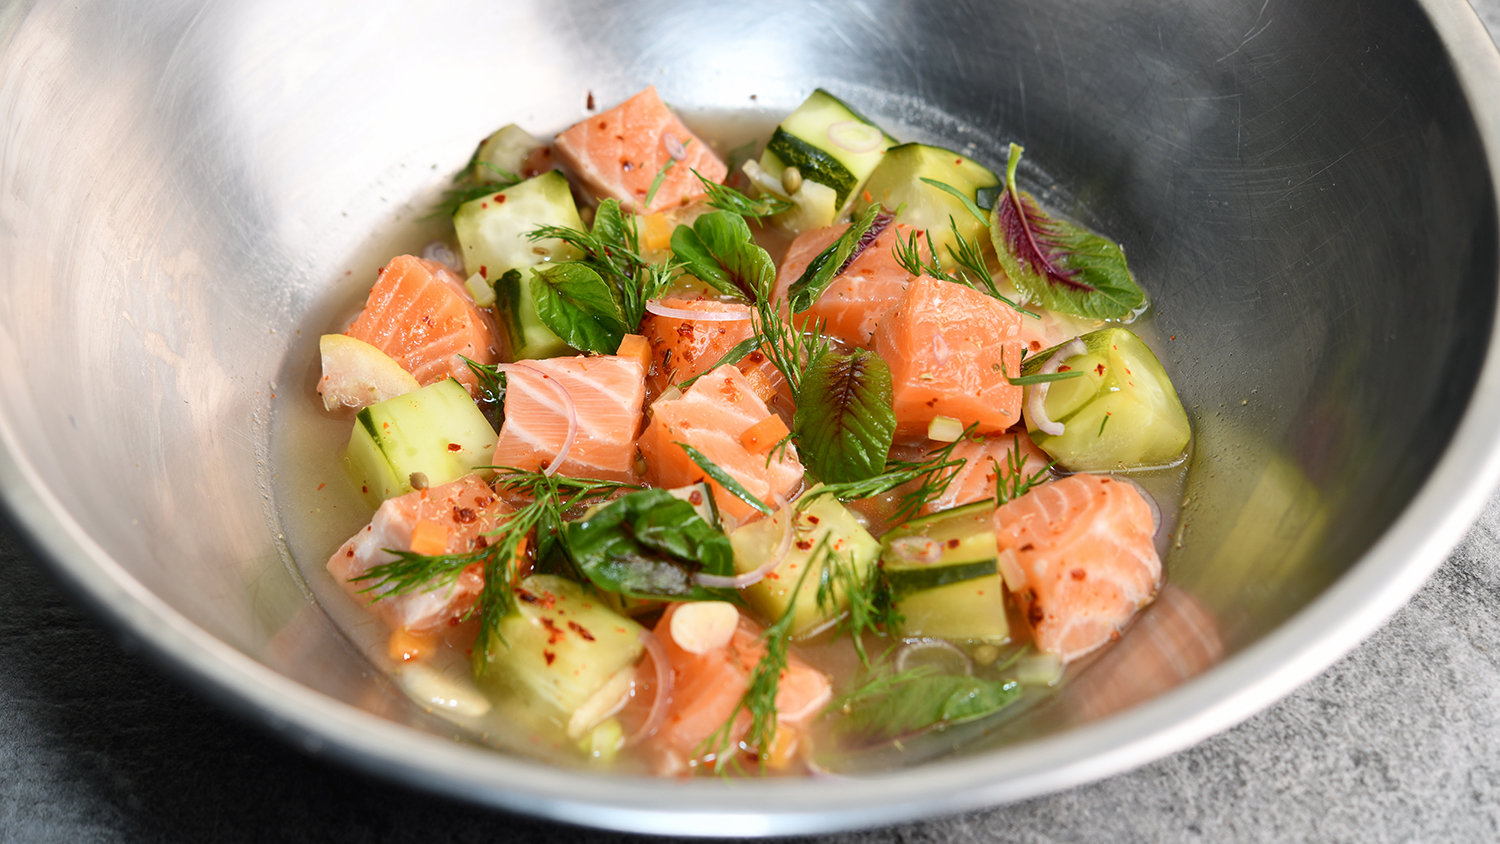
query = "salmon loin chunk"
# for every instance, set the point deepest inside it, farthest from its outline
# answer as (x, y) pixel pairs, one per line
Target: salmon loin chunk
(464, 509)
(854, 303)
(950, 348)
(977, 479)
(711, 417)
(1083, 550)
(420, 315)
(707, 687)
(606, 393)
(686, 348)
(618, 153)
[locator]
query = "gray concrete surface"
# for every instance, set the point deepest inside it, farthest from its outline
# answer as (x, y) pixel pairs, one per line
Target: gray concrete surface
(1398, 742)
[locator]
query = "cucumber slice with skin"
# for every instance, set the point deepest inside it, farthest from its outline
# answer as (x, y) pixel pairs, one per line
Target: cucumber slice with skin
(897, 184)
(756, 542)
(437, 431)
(492, 237)
(829, 143)
(1122, 413)
(970, 611)
(557, 649)
(961, 540)
(507, 149)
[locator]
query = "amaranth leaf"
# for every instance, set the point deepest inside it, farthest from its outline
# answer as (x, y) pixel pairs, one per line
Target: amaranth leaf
(822, 269)
(1060, 265)
(844, 422)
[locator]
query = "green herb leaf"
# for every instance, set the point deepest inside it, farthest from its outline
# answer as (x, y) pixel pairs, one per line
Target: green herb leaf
(844, 422)
(573, 301)
(1042, 378)
(983, 218)
(726, 198)
(649, 544)
(724, 479)
(1059, 265)
(830, 262)
(870, 604)
(661, 176)
(897, 706)
(719, 250)
(1011, 480)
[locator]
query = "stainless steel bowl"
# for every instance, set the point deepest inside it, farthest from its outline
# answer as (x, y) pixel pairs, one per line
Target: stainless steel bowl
(1306, 187)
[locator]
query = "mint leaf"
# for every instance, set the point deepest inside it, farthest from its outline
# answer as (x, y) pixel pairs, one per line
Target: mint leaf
(573, 301)
(896, 706)
(822, 270)
(1059, 265)
(648, 544)
(844, 420)
(719, 250)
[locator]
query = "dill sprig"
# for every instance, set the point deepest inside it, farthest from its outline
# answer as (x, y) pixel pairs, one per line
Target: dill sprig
(935, 473)
(871, 608)
(612, 249)
(466, 189)
(726, 198)
(1011, 480)
(969, 266)
(791, 350)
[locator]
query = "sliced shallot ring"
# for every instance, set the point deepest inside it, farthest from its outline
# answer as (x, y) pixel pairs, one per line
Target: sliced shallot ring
(855, 136)
(750, 578)
(940, 350)
(917, 549)
(663, 688)
(568, 405)
(904, 654)
(439, 252)
(1036, 403)
(654, 306)
(675, 148)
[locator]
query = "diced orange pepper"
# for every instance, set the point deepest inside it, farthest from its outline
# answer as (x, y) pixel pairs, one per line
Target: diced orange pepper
(636, 347)
(658, 233)
(783, 749)
(429, 538)
(763, 435)
(407, 646)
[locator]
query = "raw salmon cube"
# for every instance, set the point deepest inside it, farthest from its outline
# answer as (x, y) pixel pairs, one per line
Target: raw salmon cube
(618, 153)
(712, 416)
(420, 315)
(707, 687)
(852, 306)
(950, 348)
(465, 508)
(683, 348)
(1083, 550)
(606, 393)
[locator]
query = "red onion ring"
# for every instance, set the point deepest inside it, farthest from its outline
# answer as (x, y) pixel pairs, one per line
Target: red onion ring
(917, 549)
(1035, 403)
(904, 654)
(750, 578)
(675, 148)
(439, 252)
(737, 315)
(569, 407)
(663, 688)
(855, 136)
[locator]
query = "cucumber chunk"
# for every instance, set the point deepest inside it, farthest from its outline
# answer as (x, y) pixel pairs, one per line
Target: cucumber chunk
(846, 538)
(557, 649)
(829, 143)
(897, 184)
(506, 149)
(1121, 414)
(492, 236)
(944, 575)
(437, 431)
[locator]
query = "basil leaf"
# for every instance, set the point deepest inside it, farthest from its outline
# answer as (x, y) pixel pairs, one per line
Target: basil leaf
(845, 423)
(719, 250)
(724, 479)
(822, 270)
(897, 706)
(573, 301)
(648, 544)
(1059, 265)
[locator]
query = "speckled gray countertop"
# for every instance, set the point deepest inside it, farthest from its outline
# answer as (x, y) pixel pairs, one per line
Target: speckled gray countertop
(1397, 742)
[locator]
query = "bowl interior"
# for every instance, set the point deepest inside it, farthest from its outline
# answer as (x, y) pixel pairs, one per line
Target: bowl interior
(189, 196)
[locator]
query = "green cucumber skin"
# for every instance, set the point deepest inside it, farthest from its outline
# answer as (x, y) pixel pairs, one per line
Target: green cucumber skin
(414, 433)
(814, 163)
(802, 140)
(968, 536)
(910, 581)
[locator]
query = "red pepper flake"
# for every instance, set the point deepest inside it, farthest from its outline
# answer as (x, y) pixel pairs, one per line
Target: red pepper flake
(695, 498)
(499, 199)
(1099, 369)
(580, 630)
(589, 103)
(320, 486)
(953, 543)
(804, 544)
(1078, 574)
(550, 656)
(455, 447)
(484, 271)
(812, 520)
(1065, 368)
(464, 515)
(364, 488)
(553, 633)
